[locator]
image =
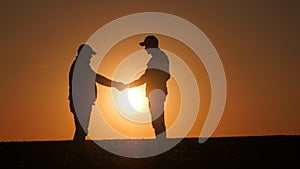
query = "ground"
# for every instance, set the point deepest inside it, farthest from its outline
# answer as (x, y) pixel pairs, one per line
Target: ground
(228, 152)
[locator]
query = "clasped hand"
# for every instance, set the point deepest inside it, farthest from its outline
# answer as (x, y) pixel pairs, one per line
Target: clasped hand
(119, 85)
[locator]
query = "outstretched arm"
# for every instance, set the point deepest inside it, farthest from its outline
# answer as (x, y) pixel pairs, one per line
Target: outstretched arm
(139, 81)
(109, 83)
(103, 80)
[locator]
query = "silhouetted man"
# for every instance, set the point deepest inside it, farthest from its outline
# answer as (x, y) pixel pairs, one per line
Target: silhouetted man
(83, 90)
(156, 76)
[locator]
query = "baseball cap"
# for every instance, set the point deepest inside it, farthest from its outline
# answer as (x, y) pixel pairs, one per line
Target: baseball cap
(87, 48)
(150, 41)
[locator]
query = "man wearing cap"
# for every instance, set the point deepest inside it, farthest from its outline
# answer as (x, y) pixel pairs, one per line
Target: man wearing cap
(83, 90)
(156, 76)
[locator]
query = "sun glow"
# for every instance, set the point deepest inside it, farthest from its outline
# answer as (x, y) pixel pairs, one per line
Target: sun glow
(137, 99)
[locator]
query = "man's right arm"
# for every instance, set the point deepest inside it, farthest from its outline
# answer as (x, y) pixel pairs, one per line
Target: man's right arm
(140, 81)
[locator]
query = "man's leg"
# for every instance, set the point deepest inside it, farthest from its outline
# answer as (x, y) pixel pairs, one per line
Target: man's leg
(80, 134)
(159, 124)
(160, 131)
(156, 105)
(80, 129)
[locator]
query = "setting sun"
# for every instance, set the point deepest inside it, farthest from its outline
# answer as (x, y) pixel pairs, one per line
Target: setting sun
(137, 99)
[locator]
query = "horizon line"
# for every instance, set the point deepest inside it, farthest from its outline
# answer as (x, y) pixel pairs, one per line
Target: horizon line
(170, 138)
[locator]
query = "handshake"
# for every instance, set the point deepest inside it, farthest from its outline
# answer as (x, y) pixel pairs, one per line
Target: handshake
(119, 85)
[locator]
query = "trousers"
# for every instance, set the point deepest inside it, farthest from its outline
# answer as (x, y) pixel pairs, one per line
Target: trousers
(157, 100)
(81, 120)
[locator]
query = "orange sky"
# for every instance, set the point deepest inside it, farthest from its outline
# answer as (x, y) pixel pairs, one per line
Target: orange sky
(257, 42)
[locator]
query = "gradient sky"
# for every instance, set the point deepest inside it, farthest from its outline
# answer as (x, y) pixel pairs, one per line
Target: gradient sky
(258, 43)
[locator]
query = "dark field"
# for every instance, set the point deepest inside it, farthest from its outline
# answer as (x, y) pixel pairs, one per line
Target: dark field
(228, 152)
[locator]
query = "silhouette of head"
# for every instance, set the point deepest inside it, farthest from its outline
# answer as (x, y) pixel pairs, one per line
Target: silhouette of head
(86, 49)
(150, 42)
